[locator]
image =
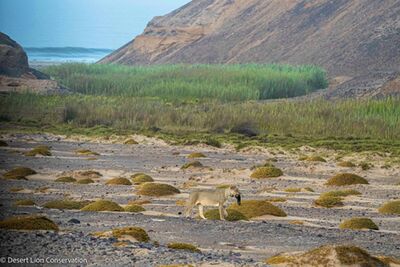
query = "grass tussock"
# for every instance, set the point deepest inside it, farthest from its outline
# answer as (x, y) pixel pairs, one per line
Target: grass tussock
(88, 174)
(193, 164)
(276, 199)
(139, 202)
(157, 189)
(346, 164)
(389, 260)
(140, 178)
(136, 232)
(256, 208)
(102, 205)
(233, 215)
(86, 152)
(39, 150)
(391, 207)
(66, 204)
(293, 190)
(344, 179)
(134, 208)
(130, 141)
(24, 202)
(31, 222)
(366, 166)
(341, 193)
(358, 224)
(196, 155)
(19, 173)
(65, 179)
(118, 181)
(184, 246)
(329, 201)
(266, 172)
(16, 189)
(3, 143)
(85, 181)
(313, 159)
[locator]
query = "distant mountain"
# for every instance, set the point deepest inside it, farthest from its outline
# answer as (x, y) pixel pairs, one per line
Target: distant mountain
(348, 38)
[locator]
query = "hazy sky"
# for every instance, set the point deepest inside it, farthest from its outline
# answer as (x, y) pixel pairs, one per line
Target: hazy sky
(82, 23)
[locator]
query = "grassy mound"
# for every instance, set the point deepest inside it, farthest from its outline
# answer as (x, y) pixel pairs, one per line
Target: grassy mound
(89, 174)
(328, 201)
(347, 164)
(32, 222)
(255, 208)
(141, 178)
(3, 143)
(19, 173)
(391, 207)
(136, 232)
(358, 223)
(293, 190)
(24, 202)
(276, 199)
(39, 150)
(344, 179)
(233, 215)
(65, 179)
(134, 208)
(341, 193)
(193, 164)
(130, 141)
(139, 202)
(118, 181)
(102, 205)
(313, 158)
(184, 246)
(156, 189)
(66, 204)
(266, 172)
(196, 155)
(85, 181)
(86, 152)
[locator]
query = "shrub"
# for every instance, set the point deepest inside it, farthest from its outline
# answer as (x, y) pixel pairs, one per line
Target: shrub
(196, 155)
(193, 164)
(256, 208)
(31, 222)
(66, 204)
(134, 208)
(309, 189)
(391, 207)
(365, 166)
(19, 173)
(118, 181)
(292, 190)
(315, 158)
(266, 172)
(246, 129)
(141, 178)
(39, 150)
(156, 189)
(358, 223)
(86, 152)
(3, 143)
(136, 232)
(130, 142)
(139, 202)
(184, 246)
(24, 202)
(85, 181)
(344, 179)
(347, 164)
(102, 205)
(276, 199)
(65, 179)
(213, 142)
(233, 215)
(329, 201)
(89, 174)
(341, 193)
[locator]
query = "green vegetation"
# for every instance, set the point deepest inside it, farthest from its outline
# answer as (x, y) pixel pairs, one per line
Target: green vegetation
(184, 246)
(89, 174)
(130, 141)
(224, 82)
(86, 152)
(192, 164)
(156, 189)
(347, 164)
(233, 215)
(102, 205)
(140, 178)
(358, 223)
(344, 179)
(32, 222)
(341, 193)
(196, 155)
(366, 166)
(85, 181)
(134, 208)
(136, 232)
(39, 150)
(65, 179)
(66, 204)
(313, 158)
(293, 190)
(391, 207)
(118, 181)
(256, 208)
(24, 202)
(328, 201)
(19, 173)
(266, 172)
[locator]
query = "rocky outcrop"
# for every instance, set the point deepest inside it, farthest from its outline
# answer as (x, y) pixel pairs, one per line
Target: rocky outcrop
(352, 38)
(13, 59)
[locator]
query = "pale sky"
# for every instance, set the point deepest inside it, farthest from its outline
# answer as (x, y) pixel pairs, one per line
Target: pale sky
(79, 23)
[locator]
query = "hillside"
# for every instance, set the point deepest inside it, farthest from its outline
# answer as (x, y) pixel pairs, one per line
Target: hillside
(348, 38)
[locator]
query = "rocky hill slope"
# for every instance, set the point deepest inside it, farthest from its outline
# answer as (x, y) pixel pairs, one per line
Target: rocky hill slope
(348, 38)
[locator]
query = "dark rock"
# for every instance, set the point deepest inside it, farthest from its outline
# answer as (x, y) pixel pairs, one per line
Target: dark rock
(74, 221)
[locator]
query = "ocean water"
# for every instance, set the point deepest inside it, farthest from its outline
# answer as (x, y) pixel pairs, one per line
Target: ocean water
(55, 55)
